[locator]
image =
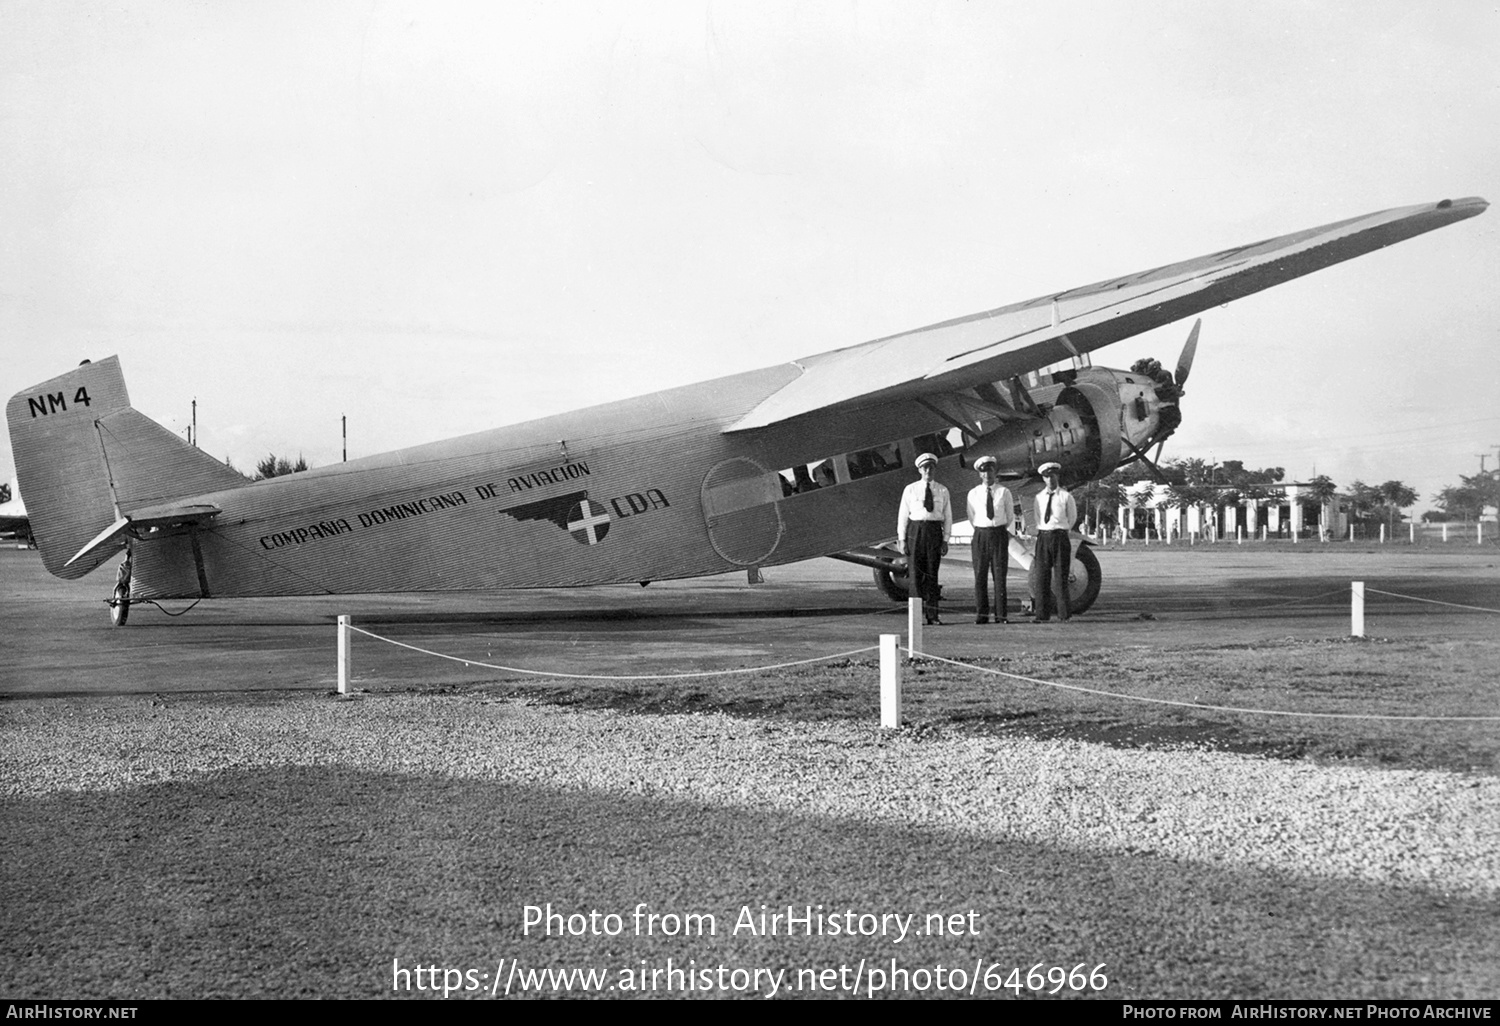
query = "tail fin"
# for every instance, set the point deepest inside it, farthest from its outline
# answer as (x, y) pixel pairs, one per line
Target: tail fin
(84, 458)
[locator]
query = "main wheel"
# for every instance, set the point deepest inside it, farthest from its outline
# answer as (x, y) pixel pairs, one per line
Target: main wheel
(119, 605)
(895, 584)
(1084, 579)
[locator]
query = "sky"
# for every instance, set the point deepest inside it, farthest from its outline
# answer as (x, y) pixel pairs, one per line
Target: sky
(438, 218)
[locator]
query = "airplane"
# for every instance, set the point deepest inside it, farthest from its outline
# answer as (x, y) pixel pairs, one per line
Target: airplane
(15, 524)
(771, 466)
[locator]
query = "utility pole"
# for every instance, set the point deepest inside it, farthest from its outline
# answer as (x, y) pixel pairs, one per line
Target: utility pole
(194, 439)
(344, 426)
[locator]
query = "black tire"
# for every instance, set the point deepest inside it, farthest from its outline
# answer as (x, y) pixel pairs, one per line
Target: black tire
(1083, 588)
(119, 605)
(895, 584)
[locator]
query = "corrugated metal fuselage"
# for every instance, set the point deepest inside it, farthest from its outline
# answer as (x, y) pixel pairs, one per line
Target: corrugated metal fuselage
(644, 489)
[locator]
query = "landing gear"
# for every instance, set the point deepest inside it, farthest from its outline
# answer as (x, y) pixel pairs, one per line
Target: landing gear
(119, 602)
(895, 583)
(1084, 579)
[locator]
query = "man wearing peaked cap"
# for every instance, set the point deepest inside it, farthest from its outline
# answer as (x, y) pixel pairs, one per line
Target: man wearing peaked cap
(1056, 512)
(923, 526)
(991, 512)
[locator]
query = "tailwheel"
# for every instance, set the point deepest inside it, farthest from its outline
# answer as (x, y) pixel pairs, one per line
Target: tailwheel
(119, 602)
(119, 605)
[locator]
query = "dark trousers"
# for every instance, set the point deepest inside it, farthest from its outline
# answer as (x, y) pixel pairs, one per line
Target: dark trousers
(924, 554)
(1054, 556)
(990, 551)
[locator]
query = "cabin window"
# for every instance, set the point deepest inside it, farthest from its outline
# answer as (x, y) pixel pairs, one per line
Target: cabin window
(807, 477)
(876, 460)
(940, 444)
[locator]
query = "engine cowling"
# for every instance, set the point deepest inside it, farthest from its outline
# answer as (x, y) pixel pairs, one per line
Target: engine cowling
(1085, 428)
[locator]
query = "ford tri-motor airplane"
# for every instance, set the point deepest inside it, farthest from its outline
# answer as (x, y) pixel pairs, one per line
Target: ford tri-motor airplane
(771, 466)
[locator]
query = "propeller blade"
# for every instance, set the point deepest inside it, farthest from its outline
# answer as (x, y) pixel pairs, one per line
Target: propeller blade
(1185, 361)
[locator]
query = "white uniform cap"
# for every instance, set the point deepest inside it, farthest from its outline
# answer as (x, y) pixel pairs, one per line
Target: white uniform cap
(926, 457)
(1049, 468)
(986, 461)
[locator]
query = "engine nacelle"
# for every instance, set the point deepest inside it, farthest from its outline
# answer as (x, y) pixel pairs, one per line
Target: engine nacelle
(1095, 421)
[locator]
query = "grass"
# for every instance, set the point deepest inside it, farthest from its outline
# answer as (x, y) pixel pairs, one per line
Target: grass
(1403, 679)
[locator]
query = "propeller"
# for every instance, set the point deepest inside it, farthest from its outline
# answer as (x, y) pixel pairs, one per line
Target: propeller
(1185, 360)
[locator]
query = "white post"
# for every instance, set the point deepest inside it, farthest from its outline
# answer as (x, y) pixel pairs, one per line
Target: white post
(913, 627)
(1357, 610)
(346, 661)
(1445, 532)
(1351, 530)
(1382, 534)
(1239, 534)
(1479, 532)
(890, 682)
(1411, 532)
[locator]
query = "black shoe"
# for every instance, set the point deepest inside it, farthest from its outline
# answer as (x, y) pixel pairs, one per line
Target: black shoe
(981, 621)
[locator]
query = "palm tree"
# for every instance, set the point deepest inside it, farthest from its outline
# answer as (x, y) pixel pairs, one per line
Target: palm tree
(1323, 490)
(1396, 497)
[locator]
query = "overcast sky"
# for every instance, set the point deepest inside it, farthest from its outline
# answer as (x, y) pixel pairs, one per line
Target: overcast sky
(440, 218)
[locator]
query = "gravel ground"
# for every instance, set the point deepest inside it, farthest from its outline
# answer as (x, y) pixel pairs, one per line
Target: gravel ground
(253, 833)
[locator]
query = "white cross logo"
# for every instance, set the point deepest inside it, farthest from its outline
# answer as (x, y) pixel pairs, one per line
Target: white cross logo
(589, 522)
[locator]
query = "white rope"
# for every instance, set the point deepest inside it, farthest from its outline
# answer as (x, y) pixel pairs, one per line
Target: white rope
(1210, 708)
(600, 676)
(1435, 602)
(1309, 598)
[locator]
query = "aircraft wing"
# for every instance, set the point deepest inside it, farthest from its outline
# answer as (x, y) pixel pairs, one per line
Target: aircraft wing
(1013, 340)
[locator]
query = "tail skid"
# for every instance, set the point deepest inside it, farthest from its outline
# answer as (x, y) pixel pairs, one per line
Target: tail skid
(93, 469)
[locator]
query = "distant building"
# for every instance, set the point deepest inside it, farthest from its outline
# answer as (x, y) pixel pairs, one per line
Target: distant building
(1287, 510)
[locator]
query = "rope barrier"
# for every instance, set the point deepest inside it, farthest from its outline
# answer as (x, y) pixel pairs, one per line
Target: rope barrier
(1211, 708)
(601, 676)
(1435, 602)
(940, 659)
(1293, 602)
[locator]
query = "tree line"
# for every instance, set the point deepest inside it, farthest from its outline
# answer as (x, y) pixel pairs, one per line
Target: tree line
(271, 466)
(1192, 481)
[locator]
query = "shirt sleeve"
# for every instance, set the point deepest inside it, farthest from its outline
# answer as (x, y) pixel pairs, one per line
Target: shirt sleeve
(947, 515)
(901, 518)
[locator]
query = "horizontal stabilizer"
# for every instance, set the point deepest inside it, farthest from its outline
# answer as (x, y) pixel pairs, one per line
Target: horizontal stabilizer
(135, 524)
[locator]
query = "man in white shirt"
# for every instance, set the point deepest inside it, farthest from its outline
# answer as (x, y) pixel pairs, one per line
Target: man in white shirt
(1056, 513)
(990, 514)
(923, 526)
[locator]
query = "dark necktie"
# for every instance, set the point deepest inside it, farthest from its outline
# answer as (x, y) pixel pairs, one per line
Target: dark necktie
(927, 499)
(989, 503)
(1048, 517)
